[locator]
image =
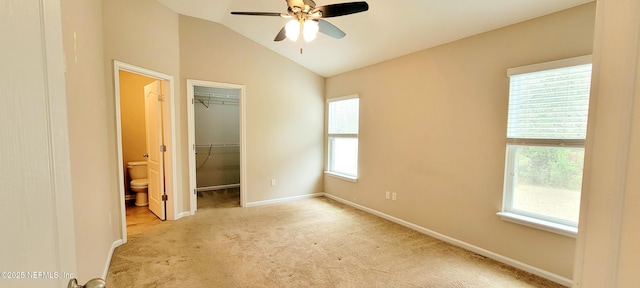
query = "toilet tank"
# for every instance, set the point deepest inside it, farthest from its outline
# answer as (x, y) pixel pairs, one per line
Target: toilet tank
(137, 170)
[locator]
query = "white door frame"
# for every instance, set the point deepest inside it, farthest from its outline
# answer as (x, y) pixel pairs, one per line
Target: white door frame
(170, 174)
(191, 83)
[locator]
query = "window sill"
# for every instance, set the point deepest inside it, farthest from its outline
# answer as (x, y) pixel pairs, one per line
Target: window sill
(561, 229)
(341, 176)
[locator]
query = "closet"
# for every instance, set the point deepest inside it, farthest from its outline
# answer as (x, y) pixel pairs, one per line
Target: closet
(217, 138)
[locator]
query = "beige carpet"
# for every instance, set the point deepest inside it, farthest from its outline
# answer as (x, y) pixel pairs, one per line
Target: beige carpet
(308, 243)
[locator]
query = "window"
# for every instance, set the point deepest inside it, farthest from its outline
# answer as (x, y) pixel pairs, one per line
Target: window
(342, 136)
(546, 129)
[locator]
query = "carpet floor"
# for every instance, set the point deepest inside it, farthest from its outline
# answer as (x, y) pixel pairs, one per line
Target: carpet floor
(314, 242)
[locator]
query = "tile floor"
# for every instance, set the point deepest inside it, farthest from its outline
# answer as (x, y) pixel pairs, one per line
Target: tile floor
(140, 219)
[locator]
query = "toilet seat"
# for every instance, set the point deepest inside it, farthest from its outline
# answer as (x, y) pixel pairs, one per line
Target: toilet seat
(139, 183)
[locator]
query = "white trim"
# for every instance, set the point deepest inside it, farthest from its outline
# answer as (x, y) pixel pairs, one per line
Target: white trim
(546, 142)
(334, 135)
(575, 61)
(114, 245)
(191, 83)
(173, 197)
(284, 199)
(500, 258)
(191, 128)
(341, 176)
(548, 226)
(183, 214)
(352, 96)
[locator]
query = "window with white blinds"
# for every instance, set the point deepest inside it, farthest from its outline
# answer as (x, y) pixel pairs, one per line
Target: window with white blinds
(343, 116)
(549, 104)
(342, 137)
(546, 129)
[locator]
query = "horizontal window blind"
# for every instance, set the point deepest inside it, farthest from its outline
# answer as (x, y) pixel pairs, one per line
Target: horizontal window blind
(343, 116)
(546, 131)
(342, 136)
(550, 104)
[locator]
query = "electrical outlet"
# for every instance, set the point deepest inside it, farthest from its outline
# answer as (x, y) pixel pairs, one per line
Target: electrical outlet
(386, 195)
(273, 182)
(394, 196)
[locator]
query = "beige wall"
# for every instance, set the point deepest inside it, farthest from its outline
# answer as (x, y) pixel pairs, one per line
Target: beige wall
(134, 140)
(446, 105)
(143, 33)
(284, 103)
(468, 197)
(433, 126)
(93, 173)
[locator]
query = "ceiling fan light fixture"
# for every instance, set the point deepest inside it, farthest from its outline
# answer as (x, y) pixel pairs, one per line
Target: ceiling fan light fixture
(307, 18)
(293, 30)
(310, 30)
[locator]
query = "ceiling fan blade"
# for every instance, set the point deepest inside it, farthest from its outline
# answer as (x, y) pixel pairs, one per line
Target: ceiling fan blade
(340, 9)
(330, 29)
(281, 35)
(257, 13)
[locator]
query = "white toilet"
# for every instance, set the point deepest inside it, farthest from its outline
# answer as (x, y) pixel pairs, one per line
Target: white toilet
(139, 182)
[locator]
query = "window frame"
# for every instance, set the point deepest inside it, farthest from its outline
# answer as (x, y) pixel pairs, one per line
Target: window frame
(330, 136)
(527, 218)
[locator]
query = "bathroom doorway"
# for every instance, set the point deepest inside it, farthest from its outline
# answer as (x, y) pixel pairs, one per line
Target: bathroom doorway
(145, 131)
(216, 134)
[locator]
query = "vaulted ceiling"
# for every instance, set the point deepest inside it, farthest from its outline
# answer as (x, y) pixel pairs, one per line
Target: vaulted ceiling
(387, 30)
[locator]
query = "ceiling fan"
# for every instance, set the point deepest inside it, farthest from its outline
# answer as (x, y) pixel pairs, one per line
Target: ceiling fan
(306, 18)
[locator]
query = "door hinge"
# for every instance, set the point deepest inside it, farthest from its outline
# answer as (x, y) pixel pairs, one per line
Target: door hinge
(195, 191)
(193, 101)
(160, 97)
(165, 197)
(163, 148)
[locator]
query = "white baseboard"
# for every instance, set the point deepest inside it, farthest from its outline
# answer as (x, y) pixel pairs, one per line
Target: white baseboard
(114, 245)
(183, 214)
(281, 200)
(500, 258)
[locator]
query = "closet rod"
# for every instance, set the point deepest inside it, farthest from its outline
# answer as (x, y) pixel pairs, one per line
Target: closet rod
(216, 145)
(218, 187)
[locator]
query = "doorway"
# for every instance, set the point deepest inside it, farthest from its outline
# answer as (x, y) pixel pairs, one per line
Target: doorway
(216, 141)
(145, 132)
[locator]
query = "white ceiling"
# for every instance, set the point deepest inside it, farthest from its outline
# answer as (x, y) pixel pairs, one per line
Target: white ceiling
(388, 30)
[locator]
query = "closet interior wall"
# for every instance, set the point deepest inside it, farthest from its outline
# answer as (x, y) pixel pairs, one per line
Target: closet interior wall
(217, 128)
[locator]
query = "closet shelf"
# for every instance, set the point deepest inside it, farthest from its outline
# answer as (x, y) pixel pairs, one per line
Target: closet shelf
(215, 95)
